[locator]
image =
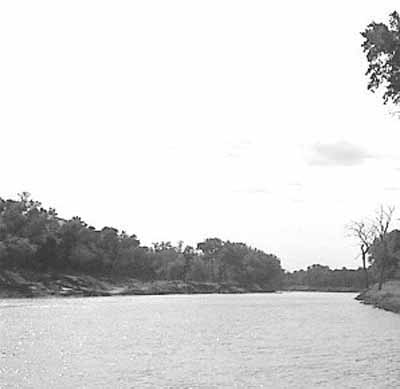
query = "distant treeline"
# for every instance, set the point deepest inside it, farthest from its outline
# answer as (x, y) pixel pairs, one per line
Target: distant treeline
(35, 238)
(319, 277)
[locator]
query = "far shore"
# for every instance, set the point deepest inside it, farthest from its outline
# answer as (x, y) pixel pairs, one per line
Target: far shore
(15, 284)
(328, 289)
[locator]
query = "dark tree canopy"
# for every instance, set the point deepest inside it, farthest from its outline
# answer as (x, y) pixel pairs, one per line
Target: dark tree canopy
(32, 237)
(382, 48)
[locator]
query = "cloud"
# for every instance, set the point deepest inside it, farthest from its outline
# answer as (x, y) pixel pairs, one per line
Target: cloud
(338, 154)
(254, 191)
(392, 188)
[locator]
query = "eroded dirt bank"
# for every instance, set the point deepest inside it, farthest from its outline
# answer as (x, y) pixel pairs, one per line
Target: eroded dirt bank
(28, 284)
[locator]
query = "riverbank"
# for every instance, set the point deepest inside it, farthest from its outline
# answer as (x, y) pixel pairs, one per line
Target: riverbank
(304, 288)
(387, 298)
(30, 284)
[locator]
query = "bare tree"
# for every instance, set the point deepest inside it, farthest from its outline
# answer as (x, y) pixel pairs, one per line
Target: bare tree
(380, 225)
(364, 233)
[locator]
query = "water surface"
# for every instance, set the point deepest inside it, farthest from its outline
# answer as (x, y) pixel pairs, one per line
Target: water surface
(287, 340)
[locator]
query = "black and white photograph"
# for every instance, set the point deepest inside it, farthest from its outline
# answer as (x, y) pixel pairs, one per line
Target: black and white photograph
(199, 194)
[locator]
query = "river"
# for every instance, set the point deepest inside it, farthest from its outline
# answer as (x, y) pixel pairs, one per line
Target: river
(283, 340)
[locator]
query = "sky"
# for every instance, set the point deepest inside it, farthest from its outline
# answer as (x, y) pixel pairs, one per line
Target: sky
(182, 120)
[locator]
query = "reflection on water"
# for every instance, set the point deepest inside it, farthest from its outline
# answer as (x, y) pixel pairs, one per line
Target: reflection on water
(287, 340)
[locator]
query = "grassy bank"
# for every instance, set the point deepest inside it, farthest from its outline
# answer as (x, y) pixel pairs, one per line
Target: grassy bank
(387, 298)
(31, 284)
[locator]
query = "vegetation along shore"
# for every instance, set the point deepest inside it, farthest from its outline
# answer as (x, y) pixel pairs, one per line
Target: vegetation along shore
(388, 297)
(42, 255)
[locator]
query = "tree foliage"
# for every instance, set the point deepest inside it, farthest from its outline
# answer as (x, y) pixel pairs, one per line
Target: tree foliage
(32, 237)
(382, 48)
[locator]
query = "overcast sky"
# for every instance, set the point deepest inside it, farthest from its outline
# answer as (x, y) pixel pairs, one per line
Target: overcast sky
(245, 120)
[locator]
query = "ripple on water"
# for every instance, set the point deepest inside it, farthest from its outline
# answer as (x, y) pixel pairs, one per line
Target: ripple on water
(288, 340)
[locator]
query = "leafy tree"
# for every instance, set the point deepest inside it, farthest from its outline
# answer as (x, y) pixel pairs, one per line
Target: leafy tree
(46, 253)
(189, 255)
(198, 271)
(381, 254)
(3, 253)
(19, 251)
(385, 256)
(211, 249)
(382, 48)
(233, 261)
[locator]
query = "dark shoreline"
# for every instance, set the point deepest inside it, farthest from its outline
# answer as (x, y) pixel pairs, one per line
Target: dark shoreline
(328, 289)
(15, 284)
(27, 284)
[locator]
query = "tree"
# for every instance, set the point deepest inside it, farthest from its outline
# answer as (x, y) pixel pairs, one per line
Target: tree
(189, 255)
(108, 242)
(232, 260)
(20, 251)
(381, 250)
(211, 249)
(364, 233)
(317, 275)
(393, 249)
(382, 47)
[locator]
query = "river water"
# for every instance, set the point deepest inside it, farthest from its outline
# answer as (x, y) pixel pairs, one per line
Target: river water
(285, 340)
